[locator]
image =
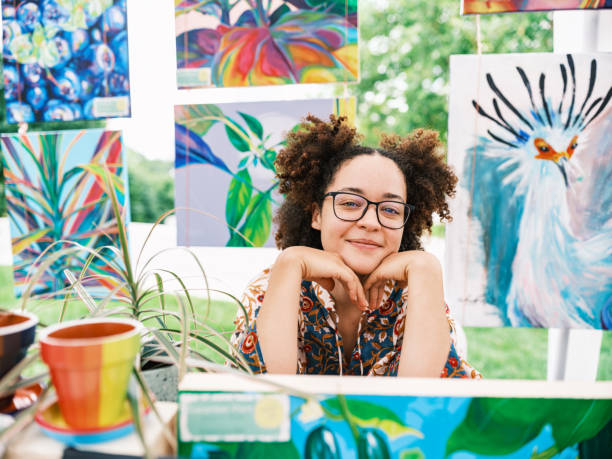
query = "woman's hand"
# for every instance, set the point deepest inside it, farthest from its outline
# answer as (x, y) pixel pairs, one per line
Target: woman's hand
(404, 267)
(324, 268)
(426, 339)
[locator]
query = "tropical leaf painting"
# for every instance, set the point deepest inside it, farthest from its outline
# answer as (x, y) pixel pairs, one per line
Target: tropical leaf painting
(251, 43)
(65, 60)
(224, 163)
(55, 192)
(505, 6)
(529, 135)
(399, 426)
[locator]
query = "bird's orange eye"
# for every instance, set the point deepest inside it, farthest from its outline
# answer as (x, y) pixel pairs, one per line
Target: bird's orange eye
(573, 145)
(542, 145)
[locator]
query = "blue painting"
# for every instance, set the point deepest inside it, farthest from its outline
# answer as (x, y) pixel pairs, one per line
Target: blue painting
(391, 426)
(531, 243)
(65, 60)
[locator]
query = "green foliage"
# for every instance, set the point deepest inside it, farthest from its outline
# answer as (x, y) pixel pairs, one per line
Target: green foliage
(497, 426)
(368, 415)
(151, 187)
(405, 58)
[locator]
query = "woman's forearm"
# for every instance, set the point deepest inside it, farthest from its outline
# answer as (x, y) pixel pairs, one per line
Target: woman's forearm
(426, 342)
(278, 317)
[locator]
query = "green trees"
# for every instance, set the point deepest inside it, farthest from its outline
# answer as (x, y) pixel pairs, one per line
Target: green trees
(404, 58)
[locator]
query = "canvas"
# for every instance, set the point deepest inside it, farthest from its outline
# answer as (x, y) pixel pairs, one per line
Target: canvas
(65, 60)
(505, 6)
(531, 240)
(375, 421)
(55, 191)
(224, 164)
(251, 43)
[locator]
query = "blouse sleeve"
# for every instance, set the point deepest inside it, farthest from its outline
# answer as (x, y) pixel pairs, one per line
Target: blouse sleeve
(456, 366)
(244, 338)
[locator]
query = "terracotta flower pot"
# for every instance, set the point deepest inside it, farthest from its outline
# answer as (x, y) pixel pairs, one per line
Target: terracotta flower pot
(90, 363)
(17, 330)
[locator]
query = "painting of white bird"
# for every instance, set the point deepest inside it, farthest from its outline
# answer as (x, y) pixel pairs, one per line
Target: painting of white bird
(530, 136)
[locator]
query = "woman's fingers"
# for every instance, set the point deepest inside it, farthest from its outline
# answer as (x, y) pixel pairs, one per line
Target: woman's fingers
(354, 287)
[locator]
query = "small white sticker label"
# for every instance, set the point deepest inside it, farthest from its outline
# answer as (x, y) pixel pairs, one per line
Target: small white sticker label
(193, 77)
(107, 107)
(234, 417)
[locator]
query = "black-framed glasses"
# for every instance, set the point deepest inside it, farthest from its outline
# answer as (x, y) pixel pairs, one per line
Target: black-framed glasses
(351, 207)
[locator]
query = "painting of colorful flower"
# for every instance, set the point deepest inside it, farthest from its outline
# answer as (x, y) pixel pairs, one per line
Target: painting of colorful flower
(55, 192)
(531, 239)
(224, 164)
(257, 42)
(65, 60)
(506, 6)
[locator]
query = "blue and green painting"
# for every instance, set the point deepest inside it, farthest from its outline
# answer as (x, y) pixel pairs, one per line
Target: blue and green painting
(65, 60)
(226, 189)
(409, 427)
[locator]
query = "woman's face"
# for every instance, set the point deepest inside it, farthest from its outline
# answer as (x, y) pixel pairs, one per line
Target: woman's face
(365, 243)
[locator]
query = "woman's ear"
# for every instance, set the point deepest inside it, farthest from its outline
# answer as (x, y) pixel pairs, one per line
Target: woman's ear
(316, 217)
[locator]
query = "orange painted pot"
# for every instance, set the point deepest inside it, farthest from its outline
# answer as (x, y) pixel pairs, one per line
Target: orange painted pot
(90, 362)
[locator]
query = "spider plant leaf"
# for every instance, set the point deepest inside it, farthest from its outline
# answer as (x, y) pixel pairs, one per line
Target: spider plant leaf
(83, 294)
(13, 374)
(120, 227)
(157, 222)
(184, 290)
(167, 345)
(160, 289)
(133, 399)
(146, 392)
(184, 343)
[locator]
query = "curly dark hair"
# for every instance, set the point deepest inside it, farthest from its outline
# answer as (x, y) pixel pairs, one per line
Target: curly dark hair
(315, 151)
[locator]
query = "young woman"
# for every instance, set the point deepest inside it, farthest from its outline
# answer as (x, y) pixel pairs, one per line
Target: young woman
(353, 292)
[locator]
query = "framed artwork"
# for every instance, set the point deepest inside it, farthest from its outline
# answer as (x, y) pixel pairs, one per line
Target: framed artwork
(224, 167)
(65, 60)
(55, 192)
(507, 6)
(252, 43)
(397, 418)
(531, 240)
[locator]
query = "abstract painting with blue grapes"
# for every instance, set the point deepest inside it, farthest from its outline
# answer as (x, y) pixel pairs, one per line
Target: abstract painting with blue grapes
(65, 60)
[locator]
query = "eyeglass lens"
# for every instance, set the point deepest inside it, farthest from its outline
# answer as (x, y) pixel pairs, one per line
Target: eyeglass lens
(351, 207)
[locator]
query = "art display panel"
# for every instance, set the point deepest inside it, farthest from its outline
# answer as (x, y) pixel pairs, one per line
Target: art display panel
(507, 6)
(252, 43)
(400, 418)
(224, 164)
(55, 192)
(65, 60)
(531, 240)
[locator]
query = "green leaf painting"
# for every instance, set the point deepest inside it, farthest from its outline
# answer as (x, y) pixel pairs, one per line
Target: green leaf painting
(225, 176)
(55, 192)
(499, 426)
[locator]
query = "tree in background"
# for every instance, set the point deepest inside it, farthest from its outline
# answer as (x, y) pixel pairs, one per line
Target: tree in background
(151, 187)
(404, 57)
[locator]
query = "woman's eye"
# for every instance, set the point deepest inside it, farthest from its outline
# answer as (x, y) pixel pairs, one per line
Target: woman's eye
(350, 204)
(391, 211)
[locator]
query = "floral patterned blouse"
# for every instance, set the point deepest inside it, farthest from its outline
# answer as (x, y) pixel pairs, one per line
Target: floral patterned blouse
(320, 350)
